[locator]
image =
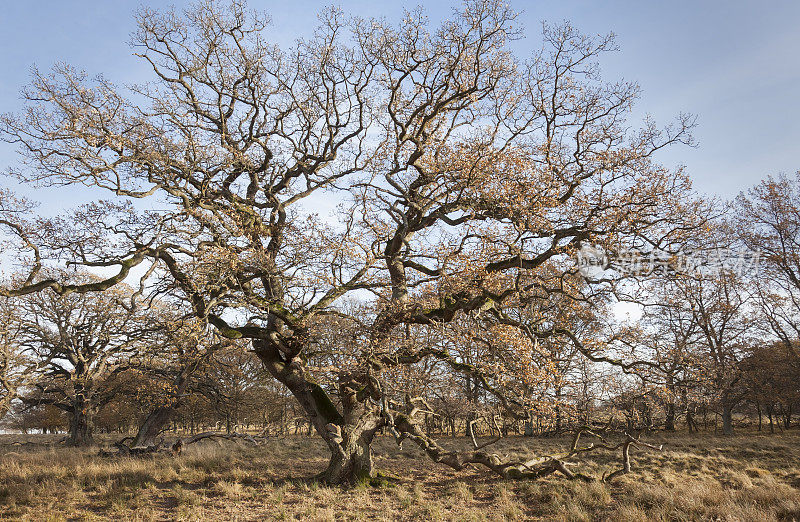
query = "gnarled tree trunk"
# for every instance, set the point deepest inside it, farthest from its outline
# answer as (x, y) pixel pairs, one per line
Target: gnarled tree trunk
(351, 462)
(347, 435)
(152, 425)
(80, 422)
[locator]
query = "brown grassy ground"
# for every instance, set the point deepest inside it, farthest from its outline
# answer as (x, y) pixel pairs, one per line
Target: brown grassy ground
(746, 477)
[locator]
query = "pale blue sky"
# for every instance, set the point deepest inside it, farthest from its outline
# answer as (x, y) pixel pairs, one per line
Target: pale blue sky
(735, 64)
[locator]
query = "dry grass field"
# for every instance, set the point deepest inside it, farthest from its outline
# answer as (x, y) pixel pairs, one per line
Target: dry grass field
(745, 477)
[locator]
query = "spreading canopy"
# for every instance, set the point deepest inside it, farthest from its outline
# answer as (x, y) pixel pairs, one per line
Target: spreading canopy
(463, 178)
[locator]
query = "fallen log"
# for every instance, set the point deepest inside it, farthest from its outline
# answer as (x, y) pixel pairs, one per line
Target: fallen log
(225, 436)
(175, 449)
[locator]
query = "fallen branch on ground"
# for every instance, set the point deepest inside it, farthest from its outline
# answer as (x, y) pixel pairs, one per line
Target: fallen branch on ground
(123, 450)
(508, 468)
(225, 436)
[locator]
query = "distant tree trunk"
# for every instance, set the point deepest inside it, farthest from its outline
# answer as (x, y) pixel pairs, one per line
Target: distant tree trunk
(669, 421)
(648, 417)
(629, 423)
(771, 422)
(472, 399)
(470, 430)
(727, 418)
(528, 428)
(688, 409)
(558, 418)
(760, 416)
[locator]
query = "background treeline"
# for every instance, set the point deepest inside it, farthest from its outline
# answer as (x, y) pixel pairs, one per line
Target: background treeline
(714, 348)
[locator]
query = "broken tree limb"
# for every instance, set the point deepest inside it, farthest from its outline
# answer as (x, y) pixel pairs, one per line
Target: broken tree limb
(626, 458)
(471, 431)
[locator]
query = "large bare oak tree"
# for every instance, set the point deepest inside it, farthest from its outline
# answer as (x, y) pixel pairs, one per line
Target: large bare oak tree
(465, 179)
